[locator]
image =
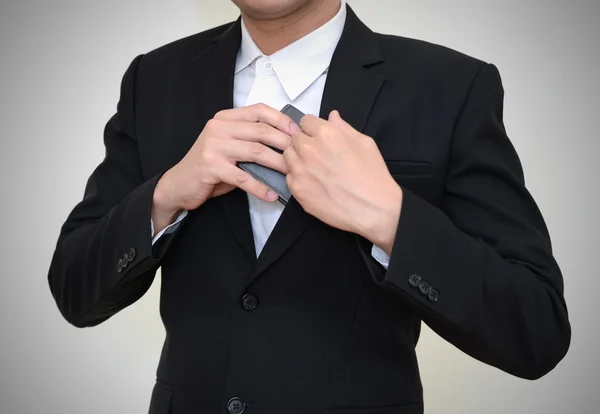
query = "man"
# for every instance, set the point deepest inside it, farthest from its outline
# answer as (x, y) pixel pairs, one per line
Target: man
(408, 205)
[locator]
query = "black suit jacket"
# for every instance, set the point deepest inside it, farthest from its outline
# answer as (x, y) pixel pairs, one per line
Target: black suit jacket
(333, 331)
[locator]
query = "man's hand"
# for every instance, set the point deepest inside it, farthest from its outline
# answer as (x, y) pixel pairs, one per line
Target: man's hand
(209, 169)
(338, 175)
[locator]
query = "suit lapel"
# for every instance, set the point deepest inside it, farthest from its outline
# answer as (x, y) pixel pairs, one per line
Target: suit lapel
(212, 73)
(351, 89)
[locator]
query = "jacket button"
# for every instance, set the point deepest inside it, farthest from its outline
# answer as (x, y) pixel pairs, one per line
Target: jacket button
(249, 302)
(131, 254)
(120, 266)
(425, 288)
(236, 406)
(414, 280)
(433, 295)
(125, 260)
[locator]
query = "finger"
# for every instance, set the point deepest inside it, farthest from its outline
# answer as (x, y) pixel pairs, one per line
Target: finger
(257, 132)
(259, 113)
(336, 119)
(312, 125)
(291, 158)
(299, 140)
(233, 175)
(240, 151)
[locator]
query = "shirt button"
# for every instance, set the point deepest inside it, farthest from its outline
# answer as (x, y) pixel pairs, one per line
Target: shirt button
(268, 65)
(414, 280)
(249, 302)
(236, 406)
(425, 288)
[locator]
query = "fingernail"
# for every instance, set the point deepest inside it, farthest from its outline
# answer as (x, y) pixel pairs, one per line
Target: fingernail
(272, 195)
(294, 127)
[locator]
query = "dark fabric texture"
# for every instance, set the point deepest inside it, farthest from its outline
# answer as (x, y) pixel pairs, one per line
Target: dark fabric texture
(330, 329)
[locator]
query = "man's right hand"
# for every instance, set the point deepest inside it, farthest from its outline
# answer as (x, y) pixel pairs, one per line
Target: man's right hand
(210, 168)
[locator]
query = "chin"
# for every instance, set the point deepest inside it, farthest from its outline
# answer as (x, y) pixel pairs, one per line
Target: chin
(269, 9)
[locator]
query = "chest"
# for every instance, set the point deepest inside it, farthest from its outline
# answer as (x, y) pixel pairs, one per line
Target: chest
(412, 129)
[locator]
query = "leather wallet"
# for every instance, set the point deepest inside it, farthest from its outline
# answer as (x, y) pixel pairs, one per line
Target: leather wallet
(274, 179)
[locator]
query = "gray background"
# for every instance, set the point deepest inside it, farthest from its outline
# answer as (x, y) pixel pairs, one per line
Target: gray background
(61, 63)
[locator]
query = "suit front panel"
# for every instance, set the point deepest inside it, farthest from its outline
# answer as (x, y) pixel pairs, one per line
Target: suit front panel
(319, 317)
(323, 335)
(330, 330)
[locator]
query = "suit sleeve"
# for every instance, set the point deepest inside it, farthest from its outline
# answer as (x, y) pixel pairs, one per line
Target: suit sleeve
(104, 259)
(479, 268)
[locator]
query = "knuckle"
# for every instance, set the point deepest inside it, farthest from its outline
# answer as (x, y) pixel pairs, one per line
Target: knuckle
(212, 124)
(257, 149)
(369, 144)
(306, 148)
(208, 143)
(260, 107)
(324, 129)
(208, 158)
(207, 155)
(262, 128)
(241, 178)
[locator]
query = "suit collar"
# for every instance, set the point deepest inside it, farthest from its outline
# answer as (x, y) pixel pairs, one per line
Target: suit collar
(357, 42)
(298, 65)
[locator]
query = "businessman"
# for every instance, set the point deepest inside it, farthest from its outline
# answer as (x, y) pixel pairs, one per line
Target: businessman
(409, 205)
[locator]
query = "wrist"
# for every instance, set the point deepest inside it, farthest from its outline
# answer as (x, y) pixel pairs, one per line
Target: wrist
(382, 224)
(163, 201)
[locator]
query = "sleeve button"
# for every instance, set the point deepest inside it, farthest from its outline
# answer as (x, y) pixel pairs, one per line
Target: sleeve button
(131, 254)
(414, 280)
(120, 266)
(425, 288)
(433, 295)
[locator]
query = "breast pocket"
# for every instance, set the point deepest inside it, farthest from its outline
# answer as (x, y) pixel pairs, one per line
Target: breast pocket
(417, 176)
(409, 168)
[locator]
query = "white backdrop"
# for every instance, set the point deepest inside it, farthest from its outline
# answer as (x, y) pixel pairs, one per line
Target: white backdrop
(61, 64)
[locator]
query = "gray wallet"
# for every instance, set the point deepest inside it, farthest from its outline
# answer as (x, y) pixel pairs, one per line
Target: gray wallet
(268, 176)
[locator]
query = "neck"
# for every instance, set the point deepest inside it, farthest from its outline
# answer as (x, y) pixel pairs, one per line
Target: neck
(271, 35)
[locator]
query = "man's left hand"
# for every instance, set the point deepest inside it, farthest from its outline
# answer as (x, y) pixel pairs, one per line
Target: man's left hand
(338, 175)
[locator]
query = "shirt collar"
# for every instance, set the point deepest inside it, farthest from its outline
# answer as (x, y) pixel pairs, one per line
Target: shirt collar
(301, 63)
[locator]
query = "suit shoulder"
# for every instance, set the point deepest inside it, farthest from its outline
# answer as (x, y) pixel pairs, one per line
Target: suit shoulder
(185, 48)
(426, 55)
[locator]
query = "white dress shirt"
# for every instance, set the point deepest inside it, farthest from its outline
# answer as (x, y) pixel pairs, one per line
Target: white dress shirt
(293, 75)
